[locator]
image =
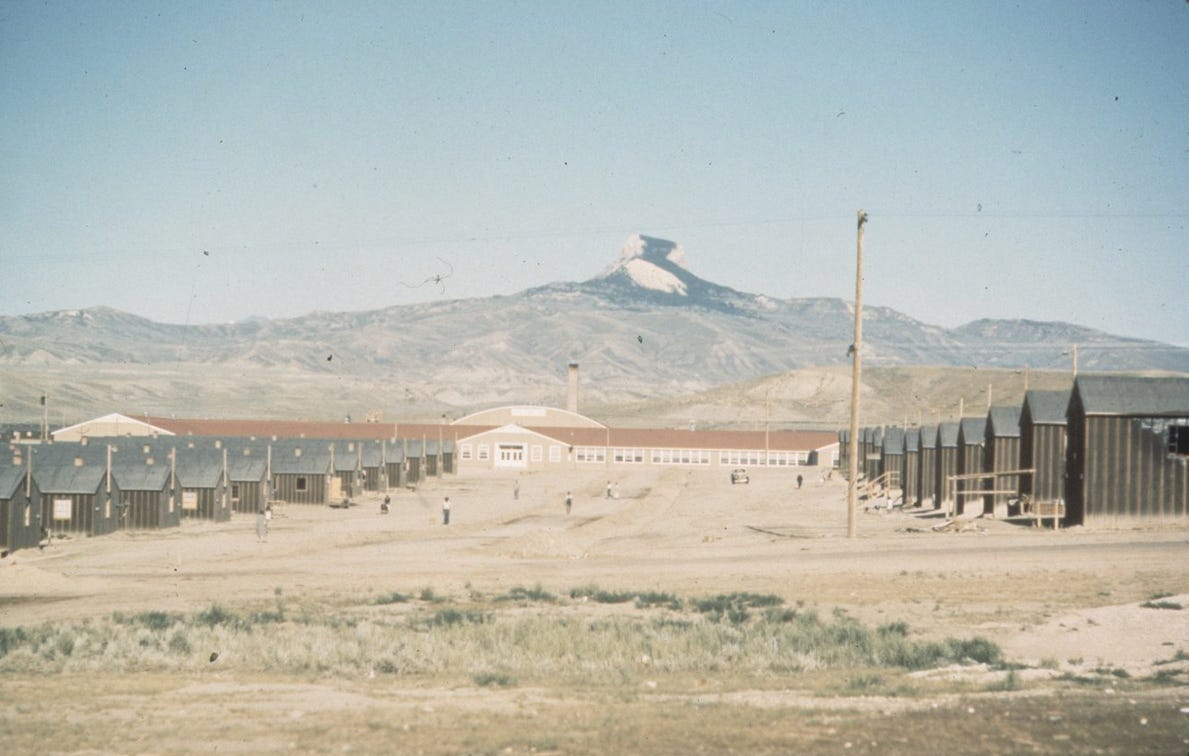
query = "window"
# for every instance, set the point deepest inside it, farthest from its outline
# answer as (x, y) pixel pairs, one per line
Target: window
(536, 453)
(555, 454)
(511, 452)
(628, 456)
(235, 491)
(464, 451)
(300, 484)
(682, 456)
(1178, 439)
(484, 451)
(590, 454)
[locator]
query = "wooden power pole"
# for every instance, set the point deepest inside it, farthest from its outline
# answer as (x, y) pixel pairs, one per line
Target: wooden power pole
(856, 374)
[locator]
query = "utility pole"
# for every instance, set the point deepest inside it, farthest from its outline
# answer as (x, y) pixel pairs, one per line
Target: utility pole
(1074, 350)
(45, 417)
(856, 375)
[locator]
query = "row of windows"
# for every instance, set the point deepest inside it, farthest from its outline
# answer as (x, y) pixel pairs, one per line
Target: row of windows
(626, 455)
(680, 456)
(755, 458)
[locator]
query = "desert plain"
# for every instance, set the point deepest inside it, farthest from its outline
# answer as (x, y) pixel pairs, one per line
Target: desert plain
(682, 615)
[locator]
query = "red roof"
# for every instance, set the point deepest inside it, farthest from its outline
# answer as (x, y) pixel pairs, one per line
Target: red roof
(651, 438)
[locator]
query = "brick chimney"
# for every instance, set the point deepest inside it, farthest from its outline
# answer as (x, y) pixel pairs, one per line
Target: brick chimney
(572, 388)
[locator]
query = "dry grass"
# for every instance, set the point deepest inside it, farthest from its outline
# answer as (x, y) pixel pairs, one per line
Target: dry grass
(530, 640)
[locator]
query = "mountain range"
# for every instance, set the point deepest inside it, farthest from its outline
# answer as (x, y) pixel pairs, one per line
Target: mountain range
(646, 327)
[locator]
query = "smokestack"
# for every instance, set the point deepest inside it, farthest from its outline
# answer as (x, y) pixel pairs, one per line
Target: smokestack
(572, 388)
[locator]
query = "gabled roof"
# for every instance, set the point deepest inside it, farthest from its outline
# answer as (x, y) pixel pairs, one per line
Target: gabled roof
(947, 434)
(972, 431)
(246, 469)
(1047, 407)
(11, 479)
(199, 468)
(541, 435)
(373, 453)
(305, 456)
(1004, 422)
(346, 455)
(893, 441)
(528, 415)
(928, 436)
(123, 425)
(68, 478)
(912, 440)
(1132, 396)
(138, 476)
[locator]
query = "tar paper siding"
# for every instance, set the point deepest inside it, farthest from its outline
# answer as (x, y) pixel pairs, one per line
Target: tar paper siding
(1118, 468)
(971, 455)
(946, 464)
(301, 488)
(374, 472)
(1118, 458)
(873, 453)
(892, 453)
(909, 470)
(927, 469)
(844, 452)
(80, 513)
(413, 449)
(206, 502)
(394, 462)
(149, 510)
(1002, 449)
(1042, 448)
(20, 521)
(301, 472)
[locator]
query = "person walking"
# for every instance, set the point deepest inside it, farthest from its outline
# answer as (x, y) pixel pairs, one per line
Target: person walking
(384, 506)
(261, 527)
(446, 511)
(799, 480)
(516, 490)
(608, 489)
(569, 502)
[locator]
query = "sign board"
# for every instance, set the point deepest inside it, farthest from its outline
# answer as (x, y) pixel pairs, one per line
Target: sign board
(62, 509)
(189, 500)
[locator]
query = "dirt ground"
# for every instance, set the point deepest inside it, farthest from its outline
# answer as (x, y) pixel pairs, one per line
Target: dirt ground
(1056, 602)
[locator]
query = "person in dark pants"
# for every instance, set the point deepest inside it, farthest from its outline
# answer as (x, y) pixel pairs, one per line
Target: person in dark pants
(569, 502)
(446, 511)
(516, 491)
(384, 506)
(799, 480)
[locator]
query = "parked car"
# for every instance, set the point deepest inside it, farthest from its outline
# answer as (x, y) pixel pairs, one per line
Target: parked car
(739, 475)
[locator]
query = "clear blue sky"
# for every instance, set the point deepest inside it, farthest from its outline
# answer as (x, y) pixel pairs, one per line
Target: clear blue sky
(203, 162)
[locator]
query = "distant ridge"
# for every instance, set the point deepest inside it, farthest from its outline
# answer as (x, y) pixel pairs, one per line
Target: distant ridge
(645, 327)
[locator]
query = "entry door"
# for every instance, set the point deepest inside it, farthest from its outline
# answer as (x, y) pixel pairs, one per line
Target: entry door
(509, 455)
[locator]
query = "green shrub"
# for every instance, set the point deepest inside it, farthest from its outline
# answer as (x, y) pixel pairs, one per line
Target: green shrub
(1162, 605)
(216, 615)
(497, 679)
(12, 638)
(179, 644)
(449, 617)
(528, 594)
(978, 650)
(157, 620)
(655, 598)
(396, 597)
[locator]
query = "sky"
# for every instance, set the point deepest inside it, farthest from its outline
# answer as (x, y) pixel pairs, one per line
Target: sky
(204, 162)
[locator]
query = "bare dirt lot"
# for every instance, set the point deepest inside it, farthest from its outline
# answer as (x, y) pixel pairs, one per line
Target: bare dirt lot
(139, 652)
